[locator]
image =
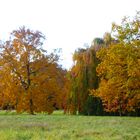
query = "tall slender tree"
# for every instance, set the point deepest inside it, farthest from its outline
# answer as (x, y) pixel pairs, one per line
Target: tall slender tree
(83, 78)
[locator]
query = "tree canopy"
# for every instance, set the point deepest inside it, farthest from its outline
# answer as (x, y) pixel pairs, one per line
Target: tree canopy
(104, 78)
(31, 80)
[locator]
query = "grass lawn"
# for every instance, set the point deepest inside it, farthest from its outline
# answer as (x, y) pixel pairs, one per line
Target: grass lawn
(66, 127)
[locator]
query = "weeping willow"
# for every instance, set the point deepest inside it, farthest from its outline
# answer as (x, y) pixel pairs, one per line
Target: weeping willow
(83, 77)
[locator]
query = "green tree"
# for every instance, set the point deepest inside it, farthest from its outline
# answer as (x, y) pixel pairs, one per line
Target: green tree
(83, 78)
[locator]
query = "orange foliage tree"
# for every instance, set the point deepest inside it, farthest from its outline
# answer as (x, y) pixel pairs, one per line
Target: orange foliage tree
(31, 80)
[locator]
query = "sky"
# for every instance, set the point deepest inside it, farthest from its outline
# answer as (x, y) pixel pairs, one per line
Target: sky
(67, 24)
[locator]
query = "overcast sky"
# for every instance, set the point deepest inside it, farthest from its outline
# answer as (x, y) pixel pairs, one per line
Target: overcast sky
(67, 24)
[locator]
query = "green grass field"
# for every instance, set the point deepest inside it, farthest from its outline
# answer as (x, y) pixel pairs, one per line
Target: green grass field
(67, 127)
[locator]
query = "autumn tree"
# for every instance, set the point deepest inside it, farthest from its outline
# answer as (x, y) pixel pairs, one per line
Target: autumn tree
(119, 69)
(29, 77)
(83, 78)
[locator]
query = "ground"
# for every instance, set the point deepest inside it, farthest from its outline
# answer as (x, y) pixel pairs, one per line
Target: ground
(67, 127)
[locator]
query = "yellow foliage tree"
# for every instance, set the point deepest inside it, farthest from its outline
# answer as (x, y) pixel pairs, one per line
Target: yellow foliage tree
(119, 69)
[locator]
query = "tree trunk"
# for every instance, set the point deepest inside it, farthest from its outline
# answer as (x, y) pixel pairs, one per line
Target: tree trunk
(31, 106)
(120, 110)
(29, 83)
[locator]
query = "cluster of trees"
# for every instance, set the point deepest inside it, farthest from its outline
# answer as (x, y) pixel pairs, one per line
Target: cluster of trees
(105, 78)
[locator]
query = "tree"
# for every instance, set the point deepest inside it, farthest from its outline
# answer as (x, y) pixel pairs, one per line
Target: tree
(83, 78)
(32, 77)
(119, 69)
